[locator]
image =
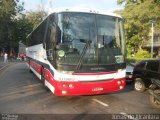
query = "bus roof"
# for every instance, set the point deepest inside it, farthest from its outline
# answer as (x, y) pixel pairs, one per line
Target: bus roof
(86, 10)
(83, 10)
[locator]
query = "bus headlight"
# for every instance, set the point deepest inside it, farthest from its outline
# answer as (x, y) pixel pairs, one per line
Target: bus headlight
(64, 85)
(121, 87)
(70, 86)
(64, 92)
(118, 82)
(67, 86)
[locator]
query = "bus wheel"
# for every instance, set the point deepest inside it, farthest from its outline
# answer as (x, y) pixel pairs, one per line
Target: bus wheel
(43, 79)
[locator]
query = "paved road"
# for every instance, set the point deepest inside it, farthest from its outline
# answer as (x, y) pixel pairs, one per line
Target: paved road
(22, 92)
(3, 65)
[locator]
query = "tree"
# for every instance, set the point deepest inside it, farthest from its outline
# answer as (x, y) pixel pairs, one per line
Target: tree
(36, 17)
(25, 25)
(15, 25)
(137, 14)
(21, 30)
(127, 2)
(9, 9)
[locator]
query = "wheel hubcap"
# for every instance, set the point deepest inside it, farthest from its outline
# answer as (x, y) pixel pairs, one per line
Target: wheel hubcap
(138, 85)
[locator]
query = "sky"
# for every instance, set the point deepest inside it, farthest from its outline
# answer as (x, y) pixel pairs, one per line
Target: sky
(51, 5)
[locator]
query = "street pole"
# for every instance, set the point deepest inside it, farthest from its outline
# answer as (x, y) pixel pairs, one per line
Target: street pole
(152, 40)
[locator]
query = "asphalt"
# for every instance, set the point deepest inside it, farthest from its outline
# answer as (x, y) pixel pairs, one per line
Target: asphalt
(21, 92)
(3, 65)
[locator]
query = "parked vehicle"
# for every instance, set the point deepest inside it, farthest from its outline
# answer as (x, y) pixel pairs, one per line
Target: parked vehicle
(155, 93)
(129, 73)
(143, 72)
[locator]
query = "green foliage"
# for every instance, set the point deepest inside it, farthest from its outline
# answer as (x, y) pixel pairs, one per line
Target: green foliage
(35, 17)
(143, 54)
(15, 25)
(127, 2)
(137, 14)
(134, 60)
(9, 9)
(129, 50)
(21, 31)
(140, 55)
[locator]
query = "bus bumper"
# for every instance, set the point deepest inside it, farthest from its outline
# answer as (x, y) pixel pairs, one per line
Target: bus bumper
(88, 88)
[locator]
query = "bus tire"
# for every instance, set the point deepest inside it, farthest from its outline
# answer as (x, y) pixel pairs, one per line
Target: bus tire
(43, 79)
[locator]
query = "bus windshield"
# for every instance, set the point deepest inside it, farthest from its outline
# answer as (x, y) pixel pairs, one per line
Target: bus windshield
(89, 39)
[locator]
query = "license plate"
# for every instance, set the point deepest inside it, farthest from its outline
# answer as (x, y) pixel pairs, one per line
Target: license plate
(97, 89)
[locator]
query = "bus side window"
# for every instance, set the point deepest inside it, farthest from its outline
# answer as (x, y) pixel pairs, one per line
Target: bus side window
(51, 43)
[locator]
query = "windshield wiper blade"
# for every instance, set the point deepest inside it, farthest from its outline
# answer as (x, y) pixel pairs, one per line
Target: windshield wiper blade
(83, 53)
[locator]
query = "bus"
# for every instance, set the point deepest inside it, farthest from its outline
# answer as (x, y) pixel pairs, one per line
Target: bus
(78, 53)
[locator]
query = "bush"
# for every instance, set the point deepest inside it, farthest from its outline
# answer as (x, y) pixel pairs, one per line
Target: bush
(140, 55)
(134, 59)
(143, 54)
(129, 50)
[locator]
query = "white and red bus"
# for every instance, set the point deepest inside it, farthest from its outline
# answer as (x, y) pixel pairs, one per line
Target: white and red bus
(78, 53)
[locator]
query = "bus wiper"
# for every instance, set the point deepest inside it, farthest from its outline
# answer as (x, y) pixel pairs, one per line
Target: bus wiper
(88, 42)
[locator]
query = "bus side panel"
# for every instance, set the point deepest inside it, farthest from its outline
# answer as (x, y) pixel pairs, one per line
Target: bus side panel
(37, 67)
(36, 52)
(35, 57)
